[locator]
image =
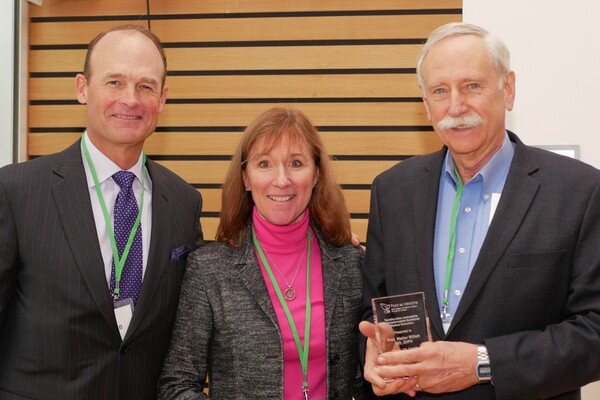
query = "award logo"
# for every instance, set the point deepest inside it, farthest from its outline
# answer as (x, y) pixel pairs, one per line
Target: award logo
(407, 315)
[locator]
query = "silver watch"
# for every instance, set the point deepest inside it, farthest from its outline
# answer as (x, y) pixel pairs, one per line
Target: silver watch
(483, 370)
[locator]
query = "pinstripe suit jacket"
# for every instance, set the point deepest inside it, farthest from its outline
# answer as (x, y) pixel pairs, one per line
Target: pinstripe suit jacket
(533, 296)
(226, 326)
(58, 334)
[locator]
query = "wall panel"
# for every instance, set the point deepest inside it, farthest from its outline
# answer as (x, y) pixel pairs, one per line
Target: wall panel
(350, 65)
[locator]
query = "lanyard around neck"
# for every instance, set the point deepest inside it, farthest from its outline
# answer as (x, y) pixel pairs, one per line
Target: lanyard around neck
(302, 352)
(119, 261)
(451, 247)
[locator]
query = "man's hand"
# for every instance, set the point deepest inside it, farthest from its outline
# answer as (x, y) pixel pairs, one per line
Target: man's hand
(377, 343)
(441, 367)
(435, 367)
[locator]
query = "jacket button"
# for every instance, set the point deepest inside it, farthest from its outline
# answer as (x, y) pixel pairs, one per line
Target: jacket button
(335, 359)
(124, 351)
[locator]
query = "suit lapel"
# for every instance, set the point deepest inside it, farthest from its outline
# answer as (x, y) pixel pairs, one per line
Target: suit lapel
(250, 275)
(426, 194)
(72, 198)
(517, 196)
(332, 276)
(158, 251)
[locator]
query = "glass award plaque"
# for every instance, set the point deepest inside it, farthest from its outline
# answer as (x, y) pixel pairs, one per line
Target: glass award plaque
(407, 315)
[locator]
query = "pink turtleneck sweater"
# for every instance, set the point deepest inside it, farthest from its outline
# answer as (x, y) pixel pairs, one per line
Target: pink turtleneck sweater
(284, 245)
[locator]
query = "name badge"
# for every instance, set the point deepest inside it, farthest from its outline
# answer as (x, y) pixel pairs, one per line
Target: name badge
(123, 314)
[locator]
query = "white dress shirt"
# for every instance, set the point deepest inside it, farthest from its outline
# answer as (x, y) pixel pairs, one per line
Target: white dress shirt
(105, 168)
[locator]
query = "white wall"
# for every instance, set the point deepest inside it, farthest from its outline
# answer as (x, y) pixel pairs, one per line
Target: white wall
(6, 80)
(555, 52)
(555, 49)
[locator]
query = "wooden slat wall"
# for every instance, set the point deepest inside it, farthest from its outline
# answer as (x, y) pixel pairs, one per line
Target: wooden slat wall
(349, 64)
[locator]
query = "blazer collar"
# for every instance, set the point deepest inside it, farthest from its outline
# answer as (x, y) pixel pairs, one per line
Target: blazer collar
(158, 250)
(333, 270)
(71, 195)
(70, 183)
(250, 275)
(425, 206)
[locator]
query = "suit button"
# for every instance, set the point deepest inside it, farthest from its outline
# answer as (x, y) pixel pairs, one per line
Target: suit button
(124, 351)
(334, 360)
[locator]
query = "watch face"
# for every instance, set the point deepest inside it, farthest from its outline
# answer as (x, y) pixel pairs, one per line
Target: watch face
(484, 371)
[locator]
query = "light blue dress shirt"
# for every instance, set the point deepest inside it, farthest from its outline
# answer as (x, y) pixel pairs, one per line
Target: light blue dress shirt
(475, 212)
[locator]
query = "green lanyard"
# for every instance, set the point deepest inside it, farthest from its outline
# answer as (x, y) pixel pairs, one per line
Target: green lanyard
(119, 261)
(451, 247)
(302, 352)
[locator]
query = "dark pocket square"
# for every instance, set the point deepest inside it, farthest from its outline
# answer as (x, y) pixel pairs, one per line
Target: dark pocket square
(180, 253)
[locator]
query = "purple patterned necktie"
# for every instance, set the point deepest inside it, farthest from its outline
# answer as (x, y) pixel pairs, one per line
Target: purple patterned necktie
(126, 211)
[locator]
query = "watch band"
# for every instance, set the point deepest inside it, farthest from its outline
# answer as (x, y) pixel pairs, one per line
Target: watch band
(482, 354)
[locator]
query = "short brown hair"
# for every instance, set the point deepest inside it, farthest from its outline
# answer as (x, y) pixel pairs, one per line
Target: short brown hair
(87, 72)
(327, 205)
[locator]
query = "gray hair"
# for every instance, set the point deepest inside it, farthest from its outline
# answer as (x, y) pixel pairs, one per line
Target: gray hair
(498, 52)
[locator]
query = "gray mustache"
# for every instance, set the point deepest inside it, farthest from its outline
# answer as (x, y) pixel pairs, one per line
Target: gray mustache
(464, 121)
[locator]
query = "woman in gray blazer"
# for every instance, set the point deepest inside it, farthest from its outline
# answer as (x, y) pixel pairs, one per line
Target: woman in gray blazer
(270, 310)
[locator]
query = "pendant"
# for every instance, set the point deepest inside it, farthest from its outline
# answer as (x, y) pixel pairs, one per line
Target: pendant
(289, 294)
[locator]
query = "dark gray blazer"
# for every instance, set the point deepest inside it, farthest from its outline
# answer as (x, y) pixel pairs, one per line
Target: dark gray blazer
(534, 294)
(58, 334)
(226, 326)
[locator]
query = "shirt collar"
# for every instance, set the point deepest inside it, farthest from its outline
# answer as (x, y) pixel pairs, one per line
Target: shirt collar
(493, 173)
(106, 168)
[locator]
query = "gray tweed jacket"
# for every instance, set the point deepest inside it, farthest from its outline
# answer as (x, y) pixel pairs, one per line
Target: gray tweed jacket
(226, 327)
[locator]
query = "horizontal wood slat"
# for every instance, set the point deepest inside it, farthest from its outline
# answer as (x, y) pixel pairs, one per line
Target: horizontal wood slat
(252, 58)
(359, 227)
(224, 143)
(326, 114)
(381, 143)
(228, 6)
(357, 201)
(56, 8)
(53, 8)
(211, 200)
(209, 227)
(254, 29)
(257, 86)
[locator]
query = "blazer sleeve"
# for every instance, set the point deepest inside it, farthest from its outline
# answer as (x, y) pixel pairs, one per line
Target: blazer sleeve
(185, 367)
(566, 355)
(9, 247)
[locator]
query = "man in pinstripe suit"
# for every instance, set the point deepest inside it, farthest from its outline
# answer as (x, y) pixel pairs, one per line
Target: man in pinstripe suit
(59, 334)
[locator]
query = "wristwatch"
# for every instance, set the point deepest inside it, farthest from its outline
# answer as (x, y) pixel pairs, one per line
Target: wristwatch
(483, 370)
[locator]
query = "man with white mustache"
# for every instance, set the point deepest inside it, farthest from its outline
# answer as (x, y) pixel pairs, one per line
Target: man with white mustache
(502, 238)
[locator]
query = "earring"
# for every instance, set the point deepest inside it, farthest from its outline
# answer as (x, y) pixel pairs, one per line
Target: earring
(247, 189)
